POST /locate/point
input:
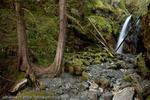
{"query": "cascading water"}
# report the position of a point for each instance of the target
(122, 35)
(135, 35)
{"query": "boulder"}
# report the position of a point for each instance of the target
(125, 94)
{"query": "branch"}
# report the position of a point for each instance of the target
(105, 43)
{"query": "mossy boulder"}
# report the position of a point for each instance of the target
(85, 76)
(127, 79)
(141, 63)
(78, 70)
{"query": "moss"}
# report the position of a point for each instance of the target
(148, 97)
(20, 75)
(118, 64)
(86, 62)
(84, 76)
(103, 6)
(103, 25)
(81, 86)
(113, 67)
(42, 86)
(71, 69)
(35, 95)
(141, 63)
(96, 80)
(77, 61)
(32, 77)
(96, 61)
(78, 70)
(104, 82)
(127, 78)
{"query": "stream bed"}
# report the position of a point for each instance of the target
(106, 81)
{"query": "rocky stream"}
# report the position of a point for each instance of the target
(116, 80)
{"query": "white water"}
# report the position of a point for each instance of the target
(123, 33)
(137, 23)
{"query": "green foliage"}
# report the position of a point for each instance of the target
(103, 24)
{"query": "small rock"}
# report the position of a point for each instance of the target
(101, 90)
(65, 97)
(101, 98)
(84, 97)
(74, 98)
(108, 96)
(137, 99)
(85, 84)
(94, 87)
(92, 96)
(125, 94)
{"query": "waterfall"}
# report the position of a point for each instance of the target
(137, 24)
(122, 35)
(136, 33)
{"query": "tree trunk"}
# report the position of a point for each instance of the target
(57, 64)
(56, 67)
(23, 57)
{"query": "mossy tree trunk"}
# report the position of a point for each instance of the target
(23, 57)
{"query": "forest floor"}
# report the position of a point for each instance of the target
(117, 80)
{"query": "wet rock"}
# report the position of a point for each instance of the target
(137, 99)
(101, 98)
(94, 86)
(74, 98)
(85, 84)
(108, 96)
(142, 86)
(65, 97)
(125, 94)
(84, 97)
(92, 96)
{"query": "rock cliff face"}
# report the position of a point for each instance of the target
(146, 32)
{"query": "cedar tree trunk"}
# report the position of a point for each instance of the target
(56, 67)
(23, 57)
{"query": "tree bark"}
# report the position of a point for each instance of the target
(56, 67)
(23, 57)
(57, 64)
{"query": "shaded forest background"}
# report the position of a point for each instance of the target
(42, 28)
